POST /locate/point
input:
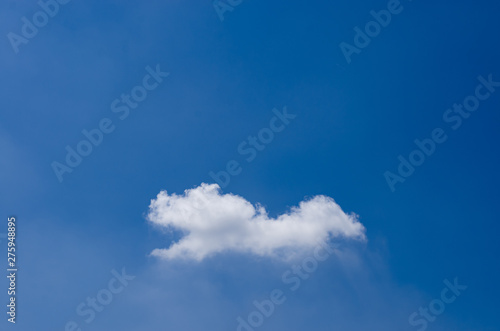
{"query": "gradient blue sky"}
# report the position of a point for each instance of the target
(353, 120)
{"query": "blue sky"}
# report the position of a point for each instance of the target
(225, 78)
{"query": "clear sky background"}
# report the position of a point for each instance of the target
(352, 122)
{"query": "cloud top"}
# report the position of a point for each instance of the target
(214, 223)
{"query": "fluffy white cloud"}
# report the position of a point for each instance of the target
(213, 223)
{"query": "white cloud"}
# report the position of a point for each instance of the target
(213, 223)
